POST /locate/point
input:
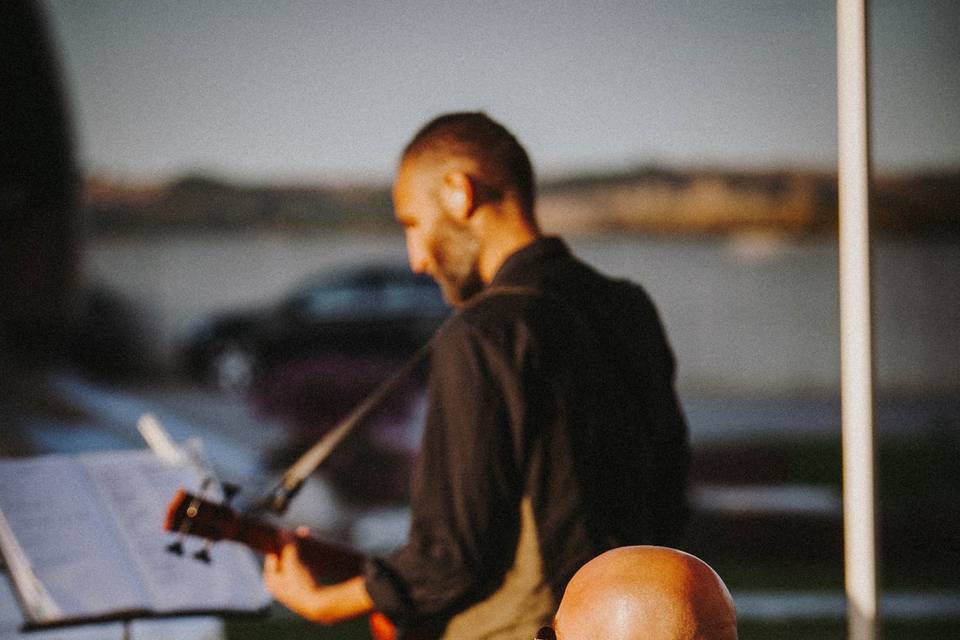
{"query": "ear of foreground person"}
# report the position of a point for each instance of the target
(646, 593)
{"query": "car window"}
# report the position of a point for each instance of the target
(339, 301)
(404, 297)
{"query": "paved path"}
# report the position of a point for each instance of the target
(715, 418)
(831, 605)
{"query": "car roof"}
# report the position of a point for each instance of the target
(373, 275)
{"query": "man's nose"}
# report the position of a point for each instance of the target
(416, 256)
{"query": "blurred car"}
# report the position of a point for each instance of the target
(380, 310)
(310, 396)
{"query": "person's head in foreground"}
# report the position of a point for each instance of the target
(645, 593)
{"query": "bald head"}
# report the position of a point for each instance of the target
(646, 593)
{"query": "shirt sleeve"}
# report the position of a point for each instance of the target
(466, 486)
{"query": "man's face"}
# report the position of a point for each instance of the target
(437, 244)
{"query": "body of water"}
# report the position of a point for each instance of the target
(745, 314)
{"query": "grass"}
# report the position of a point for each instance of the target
(289, 629)
(918, 506)
(836, 630)
(280, 624)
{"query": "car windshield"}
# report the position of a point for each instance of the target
(371, 292)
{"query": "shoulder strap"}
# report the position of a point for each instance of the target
(501, 290)
(278, 499)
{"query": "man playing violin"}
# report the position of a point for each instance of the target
(552, 433)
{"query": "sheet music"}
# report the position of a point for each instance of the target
(72, 549)
(138, 504)
(90, 528)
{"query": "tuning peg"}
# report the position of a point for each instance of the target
(203, 555)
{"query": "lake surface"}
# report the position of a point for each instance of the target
(747, 314)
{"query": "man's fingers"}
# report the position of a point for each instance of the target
(271, 563)
(289, 554)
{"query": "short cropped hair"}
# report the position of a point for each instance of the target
(501, 161)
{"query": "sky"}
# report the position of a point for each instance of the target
(332, 90)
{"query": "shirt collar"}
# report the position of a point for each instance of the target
(528, 260)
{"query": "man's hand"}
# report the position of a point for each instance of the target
(289, 580)
(293, 584)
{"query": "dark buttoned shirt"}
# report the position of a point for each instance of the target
(554, 384)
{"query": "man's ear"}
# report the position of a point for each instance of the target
(456, 194)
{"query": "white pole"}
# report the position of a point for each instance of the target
(856, 344)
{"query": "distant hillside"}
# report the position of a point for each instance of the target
(647, 200)
(657, 200)
(198, 203)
